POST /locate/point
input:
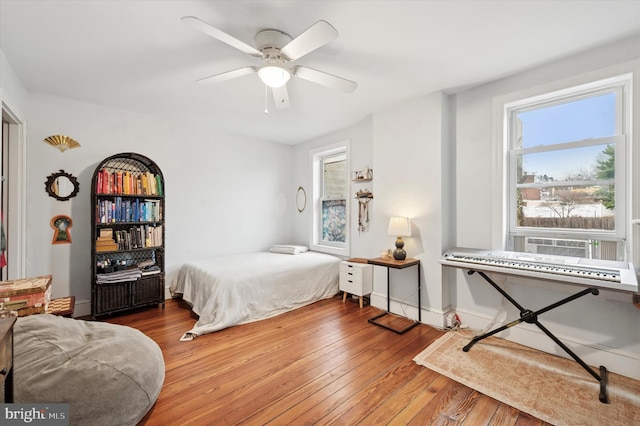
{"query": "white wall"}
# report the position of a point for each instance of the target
(411, 153)
(604, 329)
(408, 148)
(224, 193)
(359, 136)
(13, 97)
(434, 161)
(11, 88)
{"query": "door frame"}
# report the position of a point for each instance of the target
(16, 214)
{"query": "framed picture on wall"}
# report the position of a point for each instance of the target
(61, 225)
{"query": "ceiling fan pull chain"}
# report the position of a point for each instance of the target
(266, 99)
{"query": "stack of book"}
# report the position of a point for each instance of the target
(150, 270)
(119, 276)
(105, 241)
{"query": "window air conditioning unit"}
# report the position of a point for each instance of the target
(557, 246)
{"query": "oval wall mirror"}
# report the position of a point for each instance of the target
(61, 185)
(301, 199)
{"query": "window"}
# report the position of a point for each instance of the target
(330, 232)
(567, 171)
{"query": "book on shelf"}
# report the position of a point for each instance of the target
(105, 240)
(145, 185)
(159, 185)
(151, 270)
(128, 210)
(120, 182)
(138, 237)
(111, 246)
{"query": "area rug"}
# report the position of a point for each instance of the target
(551, 388)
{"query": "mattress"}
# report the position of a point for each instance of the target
(237, 289)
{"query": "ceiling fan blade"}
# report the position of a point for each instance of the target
(324, 79)
(202, 26)
(280, 97)
(229, 75)
(315, 36)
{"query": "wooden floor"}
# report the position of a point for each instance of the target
(321, 364)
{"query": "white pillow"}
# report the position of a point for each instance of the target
(288, 249)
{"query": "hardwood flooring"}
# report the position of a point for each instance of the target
(322, 364)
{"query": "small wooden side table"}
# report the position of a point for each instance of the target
(62, 307)
(389, 262)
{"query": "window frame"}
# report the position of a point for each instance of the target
(621, 85)
(317, 158)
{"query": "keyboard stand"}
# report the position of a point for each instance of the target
(531, 317)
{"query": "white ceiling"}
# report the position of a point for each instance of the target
(138, 55)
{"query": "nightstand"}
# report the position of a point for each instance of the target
(356, 278)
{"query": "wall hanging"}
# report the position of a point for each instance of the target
(363, 197)
(61, 225)
(301, 199)
(61, 185)
(61, 142)
(362, 175)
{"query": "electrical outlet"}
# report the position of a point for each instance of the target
(450, 319)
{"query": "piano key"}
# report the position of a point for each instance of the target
(609, 274)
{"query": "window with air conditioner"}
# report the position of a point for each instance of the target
(567, 173)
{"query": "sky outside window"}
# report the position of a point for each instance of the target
(573, 121)
(588, 118)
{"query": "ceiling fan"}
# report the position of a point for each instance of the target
(277, 49)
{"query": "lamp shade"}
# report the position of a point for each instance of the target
(274, 76)
(399, 226)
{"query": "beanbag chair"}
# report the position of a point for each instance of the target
(108, 374)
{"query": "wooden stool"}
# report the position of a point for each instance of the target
(62, 307)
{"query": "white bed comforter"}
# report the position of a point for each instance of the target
(238, 289)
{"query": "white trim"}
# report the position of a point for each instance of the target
(629, 71)
(17, 215)
(429, 315)
(618, 85)
(316, 191)
(570, 145)
(82, 308)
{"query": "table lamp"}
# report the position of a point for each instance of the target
(400, 227)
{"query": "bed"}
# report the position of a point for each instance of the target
(237, 289)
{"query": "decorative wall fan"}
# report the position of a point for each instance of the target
(277, 49)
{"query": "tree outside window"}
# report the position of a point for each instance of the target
(562, 167)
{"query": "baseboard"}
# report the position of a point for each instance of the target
(434, 318)
(615, 360)
(82, 308)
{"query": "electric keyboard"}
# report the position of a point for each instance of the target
(605, 274)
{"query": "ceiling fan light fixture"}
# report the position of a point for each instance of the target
(274, 76)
